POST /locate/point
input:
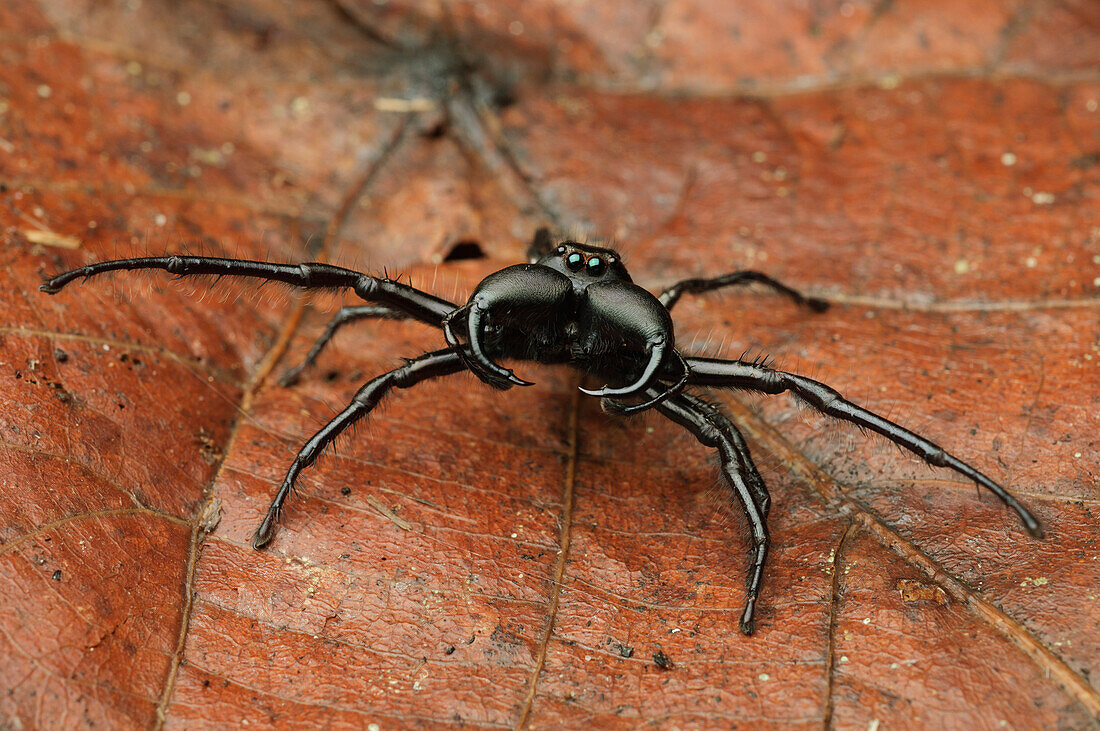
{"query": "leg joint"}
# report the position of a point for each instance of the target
(772, 382)
(936, 457)
(367, 287)
(709, 436)
(403, 377)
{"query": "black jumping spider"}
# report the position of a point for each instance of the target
(574, 304)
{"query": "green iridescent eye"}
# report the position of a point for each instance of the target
(574, 261)
(596, 266)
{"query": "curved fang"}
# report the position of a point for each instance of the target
(474, 322)
(656, 356)
(617, 407)
(464, 356)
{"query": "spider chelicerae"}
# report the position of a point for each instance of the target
(573, 303)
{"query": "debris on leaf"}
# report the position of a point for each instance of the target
(915, 591)
(211, 516)
(623, 650)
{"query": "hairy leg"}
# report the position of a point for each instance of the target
(429, 365)
(541, 244)
(723, 422)
(414, 303)
(738, 468)
(345, 316)
(697, 286)
(753, 377)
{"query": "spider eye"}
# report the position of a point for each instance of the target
(561, 249)
(596, 266)
(574, 261)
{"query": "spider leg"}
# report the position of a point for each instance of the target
(429, 365)
(541, 244)
(696, 286)
(312, 275)
(753, 377)
(345, 316)
(720, 420)
(713, 429)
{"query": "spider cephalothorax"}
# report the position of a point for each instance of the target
(585, 264)
(572, 304)
(575, 304)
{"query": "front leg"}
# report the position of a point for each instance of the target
(311, 275)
